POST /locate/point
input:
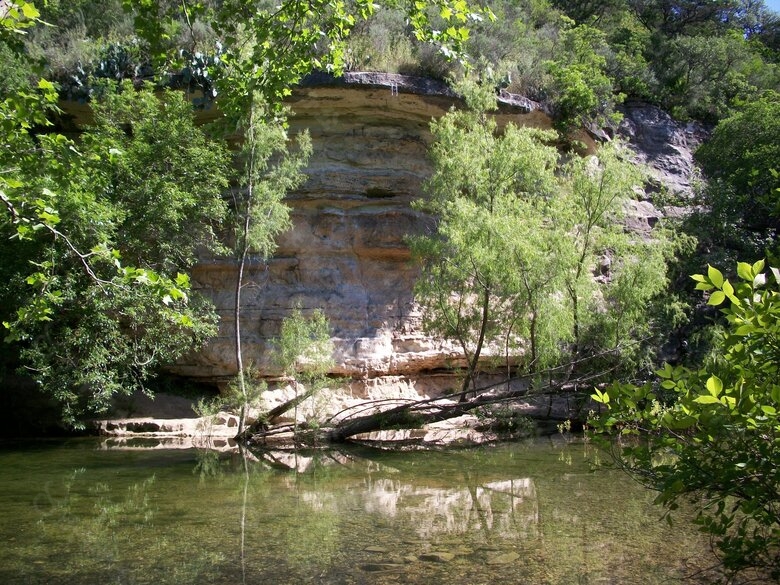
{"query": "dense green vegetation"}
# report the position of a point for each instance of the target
(518, 232)
(696, 58)
(97, 241)
(711, 435)
(741, 161)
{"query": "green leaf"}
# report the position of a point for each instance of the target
(30, 11)
(715, 276)
(769, 410)
(680, 423)
(666, 372)
(745, 271)
(715, 385)
(182, 280)
(49, 218)
(745, 329)
(185, 320)
(716, 298)
(706, 399)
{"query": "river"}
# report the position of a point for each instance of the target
(541, 511)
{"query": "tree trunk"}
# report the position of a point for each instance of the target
(472, 368)
(237, 331)
(244, 247)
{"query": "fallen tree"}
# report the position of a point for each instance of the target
(555, 383)
(399, 414)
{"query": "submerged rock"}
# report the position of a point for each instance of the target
(503, 558)
(382, 567)
(437, 557)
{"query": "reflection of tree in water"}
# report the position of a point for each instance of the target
(111, 536)
(505, 509)
(310, 519)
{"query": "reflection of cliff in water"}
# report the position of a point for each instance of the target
(503, 509)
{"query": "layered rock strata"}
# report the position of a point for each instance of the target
(346, 253)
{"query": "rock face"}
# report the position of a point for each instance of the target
(346, 253)
(663, 144)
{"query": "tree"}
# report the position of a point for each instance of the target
(581, 92)
(703, 76)
(593, 204)
(168, 178)
(741, 161)
(508, 268)
(488, 192)
(304, 353)
(674, 17)
(711, 436)
(266, 48)
(260, 212)
(90, 306)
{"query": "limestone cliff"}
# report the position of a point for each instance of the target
(346, 252)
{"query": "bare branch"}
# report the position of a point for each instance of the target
(10, 206)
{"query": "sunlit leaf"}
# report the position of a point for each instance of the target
(715, 276)
(745, 271)
(746, 329)
(716, 298)
(706, 399)
(714, 385)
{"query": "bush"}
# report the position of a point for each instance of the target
(712, 436)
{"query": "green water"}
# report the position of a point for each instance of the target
(530, 512)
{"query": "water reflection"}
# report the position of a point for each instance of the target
(506, 515)
(504, 509)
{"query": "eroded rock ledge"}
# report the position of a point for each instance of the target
(346, 253)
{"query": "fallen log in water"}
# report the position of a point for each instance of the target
(388, 414)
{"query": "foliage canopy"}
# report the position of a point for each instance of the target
(508, 268)
(95, 291)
